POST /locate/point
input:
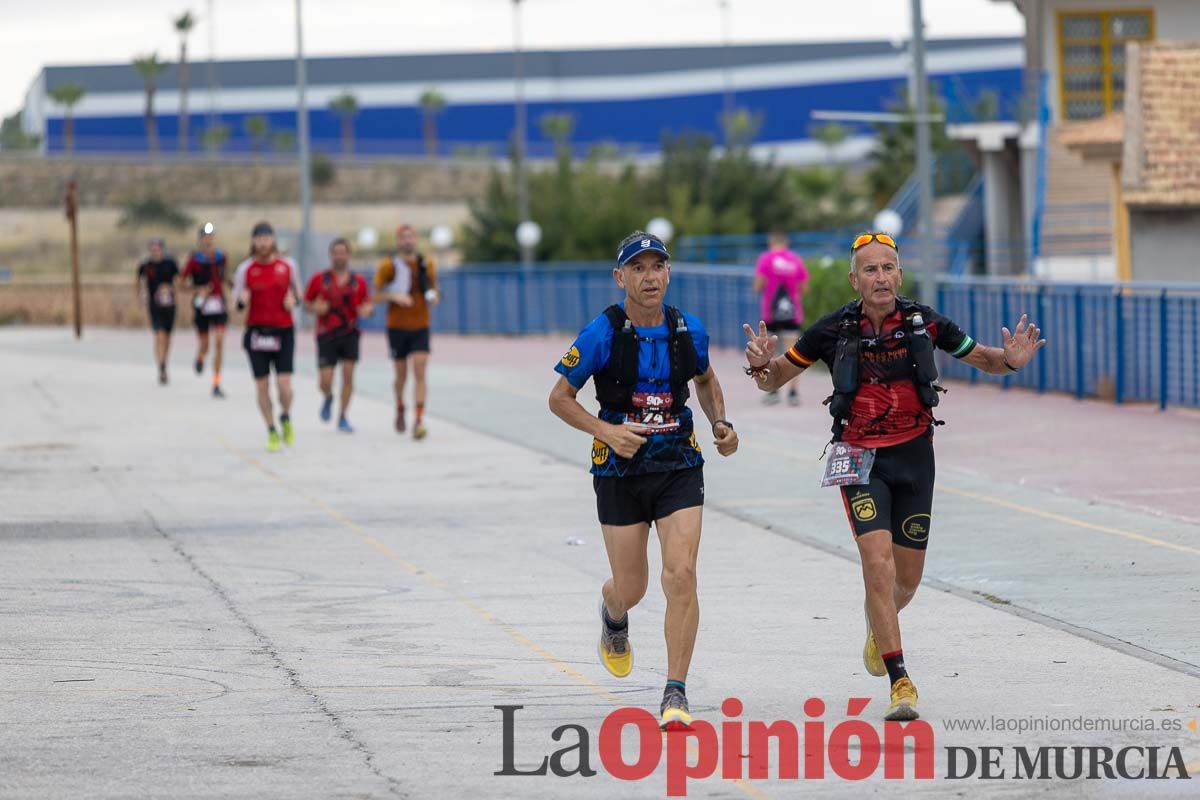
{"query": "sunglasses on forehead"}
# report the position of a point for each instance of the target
(867, 238)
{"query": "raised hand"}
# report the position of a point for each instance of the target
(1019, 346)
(760, 348)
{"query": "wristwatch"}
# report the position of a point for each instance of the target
(721, 422)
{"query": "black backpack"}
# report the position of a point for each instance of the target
(616, 382)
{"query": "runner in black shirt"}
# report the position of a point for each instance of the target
(157, 280)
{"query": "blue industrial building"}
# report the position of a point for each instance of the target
(630, 98)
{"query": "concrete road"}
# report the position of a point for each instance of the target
(185, 615)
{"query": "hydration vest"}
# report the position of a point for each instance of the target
(343, 295)
(847, 361)
(616, 382)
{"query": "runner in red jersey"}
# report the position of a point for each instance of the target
(338, 297)
(206, 269)
(268, 285)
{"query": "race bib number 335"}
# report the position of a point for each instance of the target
(848, 465)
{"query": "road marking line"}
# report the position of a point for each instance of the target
(1050, 515)
(434, 581)
(1079, 523)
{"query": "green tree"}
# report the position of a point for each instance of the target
(893, 157)
(741, 128)
(558, 128)
(215, 138)
(345, 105)
(149, 68)
(68, 96)
(283, 142)
(183, 25)
(258, 128)
(12, 137)
(432, 103)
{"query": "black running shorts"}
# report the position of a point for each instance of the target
(632, 499)
(899, 497)
(401, 343)
(270, 347)
(162, 318)
(335, 348)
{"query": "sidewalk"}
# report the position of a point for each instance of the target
(186, 615)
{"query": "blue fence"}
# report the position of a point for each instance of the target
(1125, 342)
(506, 300)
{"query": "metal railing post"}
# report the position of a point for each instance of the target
(1119, 359)
(1078, 343)
(1163, 361)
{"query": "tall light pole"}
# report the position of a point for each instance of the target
(519, 145)
(302, 141)
(212, 67)
(726, 75)
(924, 149)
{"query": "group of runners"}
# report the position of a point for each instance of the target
(643, 354)
(266, 286)
(645, 357)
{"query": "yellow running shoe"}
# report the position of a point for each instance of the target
(871, 658)
(616, 654)
(272, 441)
(904, 701)
(289, 435)
(675, 714)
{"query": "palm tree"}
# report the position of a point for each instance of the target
(183, 26)
(149, 67)
(215, 137)
(558, 129)
(432, 104)
(258, 128)
(68, 95)
(283, 142)
(345, 105)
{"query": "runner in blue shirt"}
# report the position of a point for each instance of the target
(641, 355)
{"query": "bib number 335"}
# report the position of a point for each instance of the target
(848, 465)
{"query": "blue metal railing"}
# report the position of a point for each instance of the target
(514, 302)
(1128, 342)
(1124, 342)
(966, 231)
(1039, 198)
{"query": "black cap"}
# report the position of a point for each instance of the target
(262, 228)
(206, 229)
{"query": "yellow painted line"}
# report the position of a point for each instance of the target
(428, 577)
(1037, 512)
(1079, 523)
(164, 690)
(509, 630)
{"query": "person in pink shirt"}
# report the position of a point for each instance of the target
(781, 278)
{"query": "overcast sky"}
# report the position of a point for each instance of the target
(34, 33)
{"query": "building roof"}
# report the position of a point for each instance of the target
(445, 67)
(1161, 158)
(1101, 138)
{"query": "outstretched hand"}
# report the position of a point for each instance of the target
(760, 349)
(1019, 346)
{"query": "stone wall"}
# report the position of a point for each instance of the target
(28, 182)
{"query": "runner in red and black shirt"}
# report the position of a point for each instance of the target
(268, 285)
(338, 297)
(206, 269)
(879, 349)
(157, 281)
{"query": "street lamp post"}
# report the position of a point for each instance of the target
(522, 179)
(726, 76)
(212, 67)
(302, 141)
(924, 149)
